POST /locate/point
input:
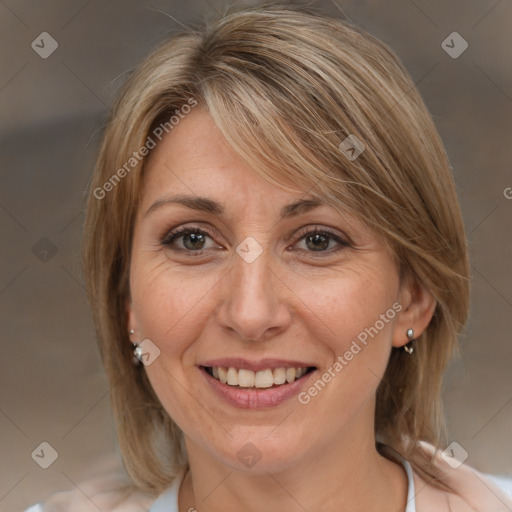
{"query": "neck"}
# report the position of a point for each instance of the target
(351, 476)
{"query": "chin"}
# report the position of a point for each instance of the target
(259, 450)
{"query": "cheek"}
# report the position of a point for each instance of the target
(170, 309)
(353, 317)
(172, 312)
(350, 305)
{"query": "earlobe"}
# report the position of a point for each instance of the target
(418, 306)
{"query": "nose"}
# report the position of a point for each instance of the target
(254, 302)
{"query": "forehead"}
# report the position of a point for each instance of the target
(195, 158)
(195, 162)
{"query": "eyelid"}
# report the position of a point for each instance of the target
(321, 229)
(179, 231)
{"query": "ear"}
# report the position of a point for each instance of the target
(418, 306)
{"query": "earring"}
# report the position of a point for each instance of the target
(409, 348)
(137, 351)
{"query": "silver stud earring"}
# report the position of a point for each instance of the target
(410, 335)
(137, 350)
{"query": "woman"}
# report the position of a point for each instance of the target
(278, 269)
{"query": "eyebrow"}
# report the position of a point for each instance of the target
(204, 204)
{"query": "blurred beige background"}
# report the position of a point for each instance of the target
(52, 386)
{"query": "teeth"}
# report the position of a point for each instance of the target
(279, 376)
(223, 374)
(264, 379)
(232, 377)
(245, 378)
(261, 379)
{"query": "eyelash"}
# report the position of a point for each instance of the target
(175, 234)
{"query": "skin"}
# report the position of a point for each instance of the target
(292, 302)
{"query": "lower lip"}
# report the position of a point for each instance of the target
(256, 398)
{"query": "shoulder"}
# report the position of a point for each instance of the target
(108, 491)
(106, 501)
(471, 491)
(88, 500)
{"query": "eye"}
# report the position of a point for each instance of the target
(321, 241)
(192, 240)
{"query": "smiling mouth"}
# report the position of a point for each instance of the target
(249, 379)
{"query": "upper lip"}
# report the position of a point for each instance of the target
(262, 364)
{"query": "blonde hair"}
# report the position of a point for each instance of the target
(286, 86)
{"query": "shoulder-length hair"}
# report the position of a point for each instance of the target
(286, 86)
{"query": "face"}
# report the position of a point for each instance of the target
(297, 307)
